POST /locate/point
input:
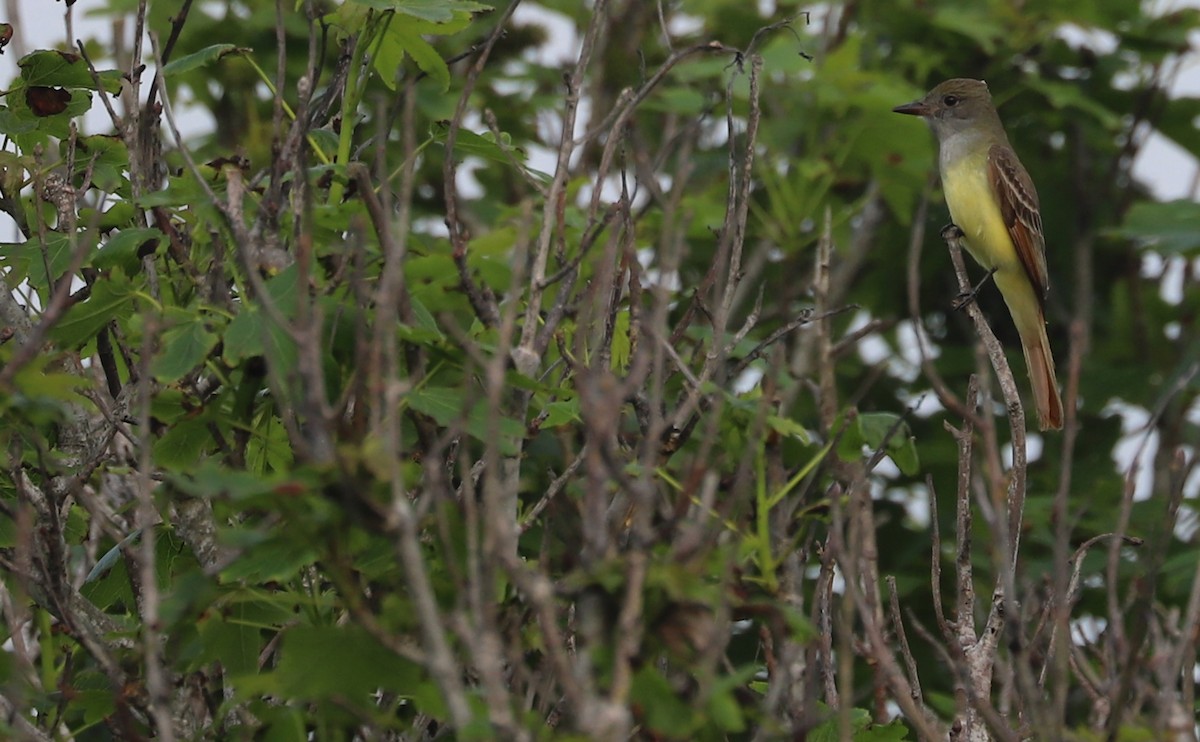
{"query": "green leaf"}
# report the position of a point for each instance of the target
(13, 168)
(112, 297)
(109, 587)
(184, 347)
(183, 444)
(829, 730)
(661, 708)
(52, 68)
(1065, 95)
(975, 23)
(210, 480)
(434, 11)
(92, 696)
(324, 139)
(467, 142)
(49, 385)
(1172, 227)
(283, 724)
(57, 125)
(79, 520)
(270, 448)
(106, 158)
(861, 726)
(561, 413)
(388, 53)
(206, 56)
(253, 333)
(622, 345)
(426, 57)
(123, 249)
(274, 560)
(1178, 122)
(1152, 38)
(893, 731)
(284, 288)
(788, 427)
(181, 190)
(683, 101)
(445, 406)
(724, 711)
(503, 432)
(40, 262)
(341, 662)
(879, 429)
(118, 216)
(233, 643)
(800, 626)
(425, 321)
(13, 124)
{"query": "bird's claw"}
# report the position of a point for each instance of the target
(951, 232)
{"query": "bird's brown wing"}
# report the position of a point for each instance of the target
(1019, 207)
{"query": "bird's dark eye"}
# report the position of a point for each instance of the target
(950, 100)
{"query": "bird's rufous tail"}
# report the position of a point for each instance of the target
(1027, 315)
(1041, 374)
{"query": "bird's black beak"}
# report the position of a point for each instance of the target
(916, 108)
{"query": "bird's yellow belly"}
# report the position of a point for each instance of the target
(973, 207)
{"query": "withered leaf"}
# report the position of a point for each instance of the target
(44, 101)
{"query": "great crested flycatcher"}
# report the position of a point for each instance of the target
(994, 203)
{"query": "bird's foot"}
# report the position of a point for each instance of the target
(963, 300)
(951, 232)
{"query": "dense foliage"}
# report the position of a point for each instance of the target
(587, 370)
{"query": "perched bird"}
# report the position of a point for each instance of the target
(993, 201)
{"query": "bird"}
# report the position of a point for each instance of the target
(993, 201)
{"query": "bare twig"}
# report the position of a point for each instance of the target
(910, 663)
